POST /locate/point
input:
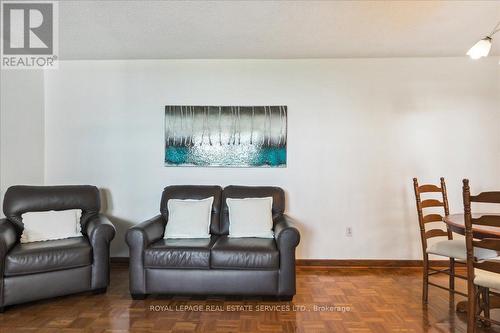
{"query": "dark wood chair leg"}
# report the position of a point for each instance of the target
(2, 309)
(486, 306)
(425, 286)
(452, 274)
(471, 312)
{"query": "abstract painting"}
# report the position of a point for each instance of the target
(225, 136)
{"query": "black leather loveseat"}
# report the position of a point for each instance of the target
(37, 270)
(219, 265)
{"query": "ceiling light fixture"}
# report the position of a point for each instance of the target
(483, 47)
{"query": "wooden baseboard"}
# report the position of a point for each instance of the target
(367, 263)
(342, 262)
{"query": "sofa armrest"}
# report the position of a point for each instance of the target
(138, 238)
(99, 231)
(99, 228)
(146, 233)
(287, 238)
(8, 238)
(286, 234)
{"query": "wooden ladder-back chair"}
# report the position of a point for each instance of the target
(483, 274)
(453, 249)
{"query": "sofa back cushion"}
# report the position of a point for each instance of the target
(241, 192)
(197, 192)
(22, 199)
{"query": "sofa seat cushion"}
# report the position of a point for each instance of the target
(244, 253)
(46, 256)
(179, 253)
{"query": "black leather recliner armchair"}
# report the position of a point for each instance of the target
(38, 270)
(219, 265)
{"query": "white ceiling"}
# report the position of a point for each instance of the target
(272, 29)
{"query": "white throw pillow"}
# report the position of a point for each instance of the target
(189, 218)
(250, 217)
(43, 226)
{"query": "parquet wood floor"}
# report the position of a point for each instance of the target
(374, 300)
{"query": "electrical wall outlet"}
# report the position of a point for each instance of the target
(348, 231)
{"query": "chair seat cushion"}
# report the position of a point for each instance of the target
(244, 253)
(455, 248)
(487, 279)
(46, 256)
(179, 253)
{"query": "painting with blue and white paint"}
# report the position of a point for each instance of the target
(225, 136)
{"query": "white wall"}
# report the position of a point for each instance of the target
(21, 128)
(359, 130)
